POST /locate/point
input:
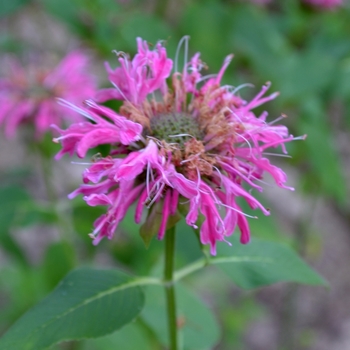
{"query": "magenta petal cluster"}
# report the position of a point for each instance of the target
(178, 139)
(29, 94)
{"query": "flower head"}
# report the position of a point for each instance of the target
(178, 139)
(28, 94)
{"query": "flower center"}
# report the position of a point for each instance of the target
(175, 128)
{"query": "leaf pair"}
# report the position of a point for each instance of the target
(91, 303)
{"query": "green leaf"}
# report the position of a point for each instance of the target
(326, 176)
(261, 263)
(88, 303)
(54, 272)
(17, 208)
(137, 338)
(13, 248)
(14, 199)
(208, 26)
(9, 6)
(65, 10)
(148, 27)
(21, 288)
(198, 328)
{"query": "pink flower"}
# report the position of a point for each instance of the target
(326, 4)
(194, 142)
(28, 94)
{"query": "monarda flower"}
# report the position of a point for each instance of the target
(178, 140)
(29, 94)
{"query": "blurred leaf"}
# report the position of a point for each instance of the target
(14, 176)
(146, 26)
(21, 287)
(208, 25)
(9, 44)
(130, 337)
(198, 328)
(298, 75)
(261, 263)
(88, 303)
(342, 87)
(17, 208)
(13, 199)
(58, 261)
(65, 10)
(84, 217)
(13, 248)
(46, 148)
(321, 153)
(188, 246)
(9, 6)
(256, 34)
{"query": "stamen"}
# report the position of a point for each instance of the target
(159, 143)
(81, 111)
(198, 179)
(135, 145)
(277, 155)
(147, 177)
(190, 158)
(185, 39)
(261, 181)
(206, 77)
(234, 113)
(303, 137)
(219, 172)
(227, 61)
(186, 53)
(238, 211)
(249, 145)
(181, 135)
(124, 56)
(283, 116)
(80, 163)
(120, 91)
(239, 87)
(160, 190)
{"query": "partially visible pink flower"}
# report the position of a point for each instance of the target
(29, 94)
(194, 142)
(326, 4)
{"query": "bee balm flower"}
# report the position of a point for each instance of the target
(178, 137)
(28, 95)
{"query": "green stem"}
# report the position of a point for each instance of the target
(169, 286)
